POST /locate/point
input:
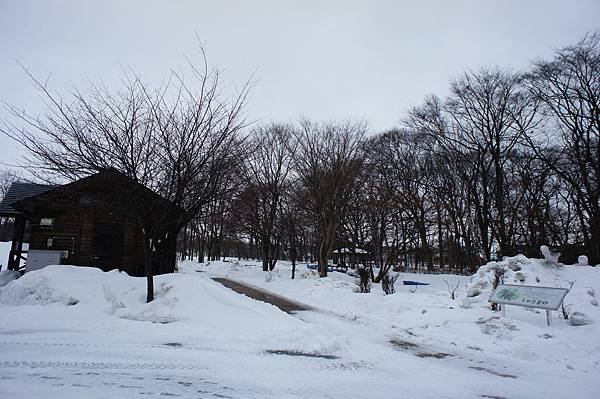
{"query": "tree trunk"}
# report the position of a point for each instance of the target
(148, 269)
(323, 252)
(265, 257)
(293, 268)
(293, 254)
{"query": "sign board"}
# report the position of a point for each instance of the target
(548, 298)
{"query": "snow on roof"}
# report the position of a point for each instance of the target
(350, 251)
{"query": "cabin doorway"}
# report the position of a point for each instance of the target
(108, 245)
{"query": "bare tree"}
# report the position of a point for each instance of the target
(266, 184)
(395, 199)
(7, 178)
(569, 88)
(327, 160)
(179, 140)
(452, 289)
(294, 227)
(482, 121)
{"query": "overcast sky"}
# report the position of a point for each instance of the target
(321, 59)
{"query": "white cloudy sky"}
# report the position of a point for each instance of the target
(321, 59)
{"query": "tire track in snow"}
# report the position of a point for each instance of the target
(101, 365)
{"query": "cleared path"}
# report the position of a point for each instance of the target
(282, 303)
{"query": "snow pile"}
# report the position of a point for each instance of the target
(197, 329)
(6, 276)
(190, 307)
(582, 280)
(550, 257)
(35, 289)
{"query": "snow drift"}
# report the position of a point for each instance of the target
(186, 307)
(580, 304)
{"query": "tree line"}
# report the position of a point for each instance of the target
(506, 162)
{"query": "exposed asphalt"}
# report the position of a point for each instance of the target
(282, 303)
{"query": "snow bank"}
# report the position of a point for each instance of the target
(6, 276)
(245, 343)
(190, 307)
(40, 288)
(582, 280)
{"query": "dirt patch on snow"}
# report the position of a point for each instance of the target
(403, 344)
(435, 355)
(504, 375)
(298, 353)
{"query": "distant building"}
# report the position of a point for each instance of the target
(350, 257)
(90, 222)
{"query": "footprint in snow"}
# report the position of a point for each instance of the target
(81, 385)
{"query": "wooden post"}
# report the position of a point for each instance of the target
(548, 318)
(16, 248)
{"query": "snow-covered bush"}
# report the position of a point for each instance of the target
(388, 281)
(498, 274)
(364, 279)
(452, 288)
(311, 274)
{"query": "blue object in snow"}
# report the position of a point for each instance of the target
(410, 282)
(314, 266)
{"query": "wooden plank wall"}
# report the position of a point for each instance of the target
(74, 232)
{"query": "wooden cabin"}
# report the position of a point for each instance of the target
(94, 221)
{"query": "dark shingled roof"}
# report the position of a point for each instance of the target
(19, 191)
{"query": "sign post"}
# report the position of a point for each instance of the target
(548, 298)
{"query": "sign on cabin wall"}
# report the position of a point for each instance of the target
(548, 298)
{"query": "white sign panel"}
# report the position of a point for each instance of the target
(40, 258)
(548, 298)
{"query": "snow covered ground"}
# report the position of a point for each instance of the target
(80, 333)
